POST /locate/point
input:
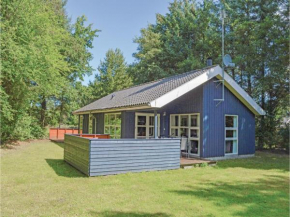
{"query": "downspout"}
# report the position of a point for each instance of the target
(155, 125)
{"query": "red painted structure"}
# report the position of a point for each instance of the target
(58, 134)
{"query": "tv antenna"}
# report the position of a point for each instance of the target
(226, 59)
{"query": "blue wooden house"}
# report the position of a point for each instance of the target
(182, 106)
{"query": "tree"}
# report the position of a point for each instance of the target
(257, 37)
(180, 41)
(113, 75)
(42, 54)
(260, 41)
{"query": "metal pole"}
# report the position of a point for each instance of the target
(155, 125)
(223, 51)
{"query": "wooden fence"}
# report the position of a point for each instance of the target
(96, 157)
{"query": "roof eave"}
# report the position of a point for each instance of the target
(244, 97)
(116, 109)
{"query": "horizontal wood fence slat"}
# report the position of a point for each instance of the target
(95, 157)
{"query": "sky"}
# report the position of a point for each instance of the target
(120, 21)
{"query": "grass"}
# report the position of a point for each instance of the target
(35, 181)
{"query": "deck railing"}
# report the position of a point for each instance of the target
(96, 157)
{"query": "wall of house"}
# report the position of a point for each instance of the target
(86, 123)
(128, 125)
(100, 123)
(214, 122)
(212, 119)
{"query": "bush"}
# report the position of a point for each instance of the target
(26, 127)
(204, 165)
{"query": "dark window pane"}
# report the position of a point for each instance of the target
(184, 120)
(141, 131)
(141, 120)
(151, 120)
(231, 134)
(229, 121)
(193, 120)
(194, 147)
(176, 121)
(174, 132)
(229, 147)
(184, 132)
(193, 133)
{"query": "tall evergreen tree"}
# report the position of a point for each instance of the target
(113, 74)
(180, 41)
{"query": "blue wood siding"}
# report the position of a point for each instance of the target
(114, 156)
(188, 103)
(100, 123)
(214, 122)
(212, 119)
(86, 123)
(128, 124)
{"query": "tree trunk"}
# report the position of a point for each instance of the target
(60, 112)
(43, 111)
(261, 139)
(249, 89)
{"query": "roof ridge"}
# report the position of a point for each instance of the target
(160, 79)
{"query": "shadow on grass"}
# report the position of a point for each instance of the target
(127, 214)
(265, 197)
(60, 144)
(61, 168)
(261, 161)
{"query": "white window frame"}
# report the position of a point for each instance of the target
(113, 136)
(189, 127)
(81, 120)
(232, 138)
(147, 125)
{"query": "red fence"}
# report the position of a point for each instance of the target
(58, 134)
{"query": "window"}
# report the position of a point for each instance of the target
(113, 125)
(145, 125)
(186, 125)
(231, 134)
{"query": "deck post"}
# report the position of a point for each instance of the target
(155, 125)
(79, 125)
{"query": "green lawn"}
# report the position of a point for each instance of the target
(35, 181)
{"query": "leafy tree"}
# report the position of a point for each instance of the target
(42, 55)
(113, 75)
(180, 41)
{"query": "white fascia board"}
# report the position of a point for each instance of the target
(242, 95)
(245, 98)
(185, 88)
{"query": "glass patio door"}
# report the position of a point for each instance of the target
(188, 126)
(144, 125)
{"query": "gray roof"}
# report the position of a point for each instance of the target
(142, 94)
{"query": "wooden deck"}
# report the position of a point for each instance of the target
(190, 162)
